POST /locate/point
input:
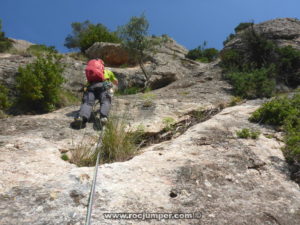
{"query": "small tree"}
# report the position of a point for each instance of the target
(39, 84)
(5, 43)
(85, 34)
(135, 39)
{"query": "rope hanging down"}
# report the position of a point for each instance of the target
(92, 192)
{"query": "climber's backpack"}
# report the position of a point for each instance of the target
(94, 70)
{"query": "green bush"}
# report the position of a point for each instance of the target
(5, 43)
(247, 133)
(203, 54)
(38, 84)
(243, 26)
(4, 100)
(250, 85)
(288, 64)
(231, 60)
(64, 157)
(238, 28)
(85, 34)
(254, 68)
(284, 112)
(274, 112)
(41, 50)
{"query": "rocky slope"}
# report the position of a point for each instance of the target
(207, 170)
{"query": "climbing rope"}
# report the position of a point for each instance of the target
(92, 192)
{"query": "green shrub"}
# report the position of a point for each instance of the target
(4, 100)
(38, 84)
(257, 83)
(203, 54)
(5, 43)
(41, 50)
(64, 157)
(244, 133)
(243, 26)
(231, 60)
(238, 28)
(274, 112)
(288, 65)
(251, 60)
(85, 34)
(247, 133)
(284, 112)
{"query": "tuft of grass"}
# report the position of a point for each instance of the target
(235, 100)
(118, 144)
(84, 153)
(169, 123)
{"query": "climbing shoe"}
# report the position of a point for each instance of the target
(79, 123)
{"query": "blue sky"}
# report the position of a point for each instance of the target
(189, 22)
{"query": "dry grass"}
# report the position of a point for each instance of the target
(118, 144)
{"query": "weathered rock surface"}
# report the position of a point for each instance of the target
(198, 92)
(284, 31)
(168, 65)
(21, 45)
(207, 170)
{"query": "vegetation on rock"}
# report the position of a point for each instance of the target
(39, 84)
(203, 54)
(38, 50)
(85, 34)
(5, 43)
(256, 67)
(135, 39)
(4, 100)
(283, 112)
